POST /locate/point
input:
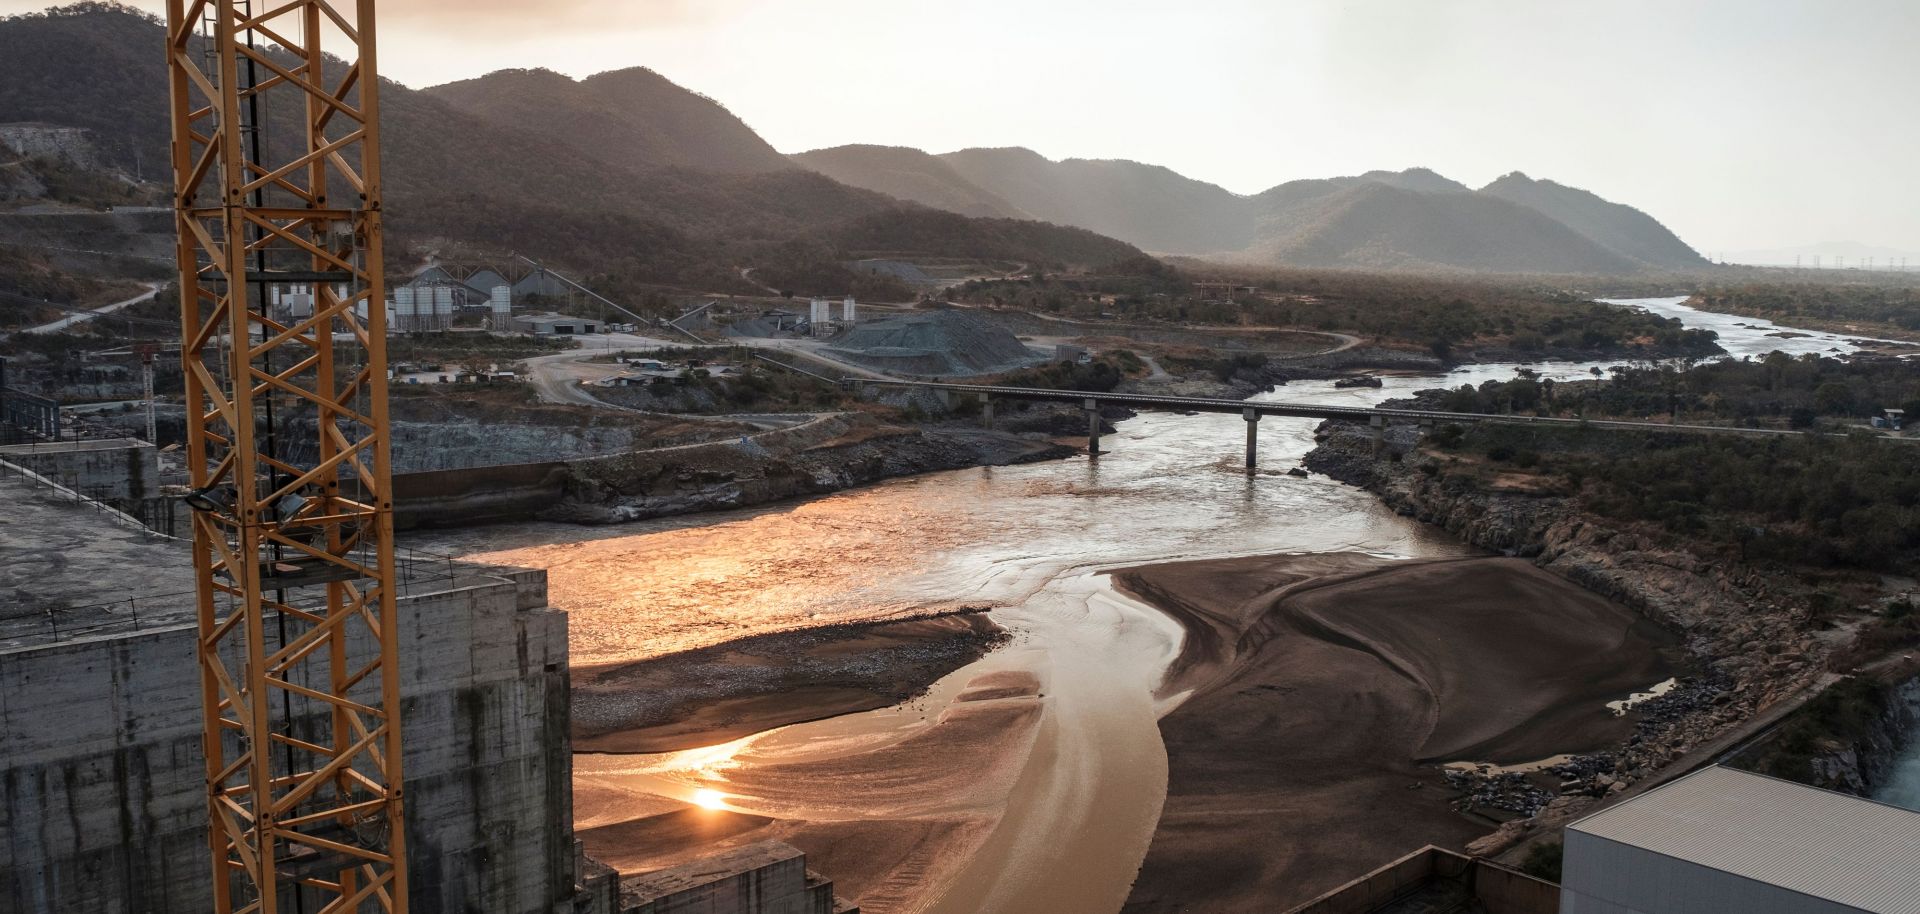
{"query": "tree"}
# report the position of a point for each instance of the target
(1834, 397)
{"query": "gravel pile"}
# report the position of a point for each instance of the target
(936, 343)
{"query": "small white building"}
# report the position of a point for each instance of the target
(1724, 841)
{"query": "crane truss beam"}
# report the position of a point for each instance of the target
(277, 174)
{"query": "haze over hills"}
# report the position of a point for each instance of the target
(624, 172)
(1830, 253)
(628, 165)
(909, 174)
(1413, 219)
(1146, 205)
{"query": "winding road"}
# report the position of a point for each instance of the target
(84, 316)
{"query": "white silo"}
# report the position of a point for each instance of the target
(442, 307)
(405, 310)
(501, 304)
(846, 311)
(821, 312)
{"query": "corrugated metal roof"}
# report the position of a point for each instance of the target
(1816, 842)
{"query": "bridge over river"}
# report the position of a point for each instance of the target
(1252, 410)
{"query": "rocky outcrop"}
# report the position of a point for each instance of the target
(1746, 631)
(825, 456)
(1860, 758)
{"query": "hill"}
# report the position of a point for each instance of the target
(1406, 220)
(633, 118)
(623, 174)
(908, 174)
(1372, 225)
(1621, 229)
(1146, 205)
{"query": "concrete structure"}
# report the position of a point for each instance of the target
(555, 324)
(1067, 352)
(101, 774)
(1724, 841)
(1436, 880)
(30, 139)
(112, 469)
(765, 878)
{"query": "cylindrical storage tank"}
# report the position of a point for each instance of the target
(405, 312)
(502, 300)
(820, 314)
(442, 307)
(846, 310)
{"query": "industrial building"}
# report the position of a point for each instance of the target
(556, 324)
(1724, 841)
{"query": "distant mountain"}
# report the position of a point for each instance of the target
(1621, 229)
(1412, 219)
(908, 174)
(623, 172)
(1371, 225)
(1424, 180)
(627, 166)
(634, 118)
(1147, 205)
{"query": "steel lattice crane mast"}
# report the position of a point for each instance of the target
(277, 181)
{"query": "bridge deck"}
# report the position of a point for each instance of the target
(1258, 408)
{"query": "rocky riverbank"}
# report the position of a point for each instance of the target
(1748, 633)
(1850, 739)
(826, 455)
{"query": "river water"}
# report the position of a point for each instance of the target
(1903, 789)
(1069, 829)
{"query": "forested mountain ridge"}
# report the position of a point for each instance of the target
(633, 118)
(623, 173)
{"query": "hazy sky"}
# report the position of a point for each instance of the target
(1740, 123)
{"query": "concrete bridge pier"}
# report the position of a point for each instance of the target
(986, 411)
(1253, 435)
(1093, 428)
(1379, 424)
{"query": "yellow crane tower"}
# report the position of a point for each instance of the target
(277, 198)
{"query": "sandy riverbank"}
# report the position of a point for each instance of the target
(1324, 688)
(1312, 698)
(894, 821)
(721, 693)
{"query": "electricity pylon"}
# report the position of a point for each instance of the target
(277, 181)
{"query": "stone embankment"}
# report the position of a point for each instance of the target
(1747, 633)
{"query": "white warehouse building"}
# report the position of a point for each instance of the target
(1723, 841)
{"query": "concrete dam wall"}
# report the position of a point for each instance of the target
(103, 781)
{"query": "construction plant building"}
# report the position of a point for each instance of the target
(821, 318)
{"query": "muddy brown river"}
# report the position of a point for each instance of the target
(1066, 797)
